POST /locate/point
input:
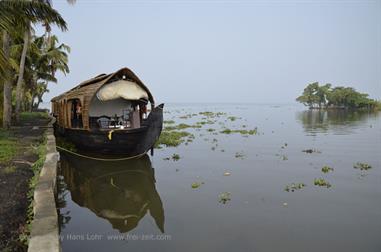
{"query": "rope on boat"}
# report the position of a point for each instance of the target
(100, 159)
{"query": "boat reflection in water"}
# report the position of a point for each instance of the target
(121, 192)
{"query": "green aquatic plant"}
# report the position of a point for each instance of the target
(186, 116)
(224, 197)
(240, 155)
(322, 183)
(362, 166)
(169, 122)
(211, 114)
(226, 131)
(242, 131)
(181, 126)
(172, 138)
(210, 130)
(326, 169)
(175, 157)
(204, 123)
(311, 151)
(233, 118)
(196, 184)
(294, 186)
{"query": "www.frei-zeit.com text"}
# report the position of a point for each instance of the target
(116, 237)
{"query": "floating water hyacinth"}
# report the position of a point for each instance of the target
(309, 151)
(362, 166)
(240, 155)
(196, 185)
(321, 182)
(224, 197)
(294, 186)
(326, 169)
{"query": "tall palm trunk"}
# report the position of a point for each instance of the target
(21, 73)
(7, 106)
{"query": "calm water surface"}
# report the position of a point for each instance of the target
(150, 205)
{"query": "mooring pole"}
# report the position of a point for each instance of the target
(152, 152)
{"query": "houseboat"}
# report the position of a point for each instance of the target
(109, 114)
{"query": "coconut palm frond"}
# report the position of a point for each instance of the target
(22, 11)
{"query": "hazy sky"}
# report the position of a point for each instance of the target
(225, 51)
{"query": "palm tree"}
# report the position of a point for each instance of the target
(51, 16)
(7, 89)
(20, 13)
(46, 57)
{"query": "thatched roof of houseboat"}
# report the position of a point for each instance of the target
(87, 89)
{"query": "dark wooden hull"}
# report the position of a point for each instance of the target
(130, 142)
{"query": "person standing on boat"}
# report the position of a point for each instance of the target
(78, 111)
(143, 112)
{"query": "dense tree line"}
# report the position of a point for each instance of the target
(326, 96)
(27, 61)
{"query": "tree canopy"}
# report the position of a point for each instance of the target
(326, 96)
(28, 62)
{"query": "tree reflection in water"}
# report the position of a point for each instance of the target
(339, 121)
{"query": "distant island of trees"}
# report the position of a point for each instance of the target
(321, 97)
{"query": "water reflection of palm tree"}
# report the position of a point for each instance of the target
(120, 192)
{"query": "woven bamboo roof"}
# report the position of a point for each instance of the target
(90, 87)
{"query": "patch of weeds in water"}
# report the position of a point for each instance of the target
(211, 114)
(242, 132)
(294, 186)
(240, 155)
(210, 130)
(233, 118)
(175, 157)
(185, 116)
(362, 166)
(196, 185)
(181, 126)
(322, 183)
(326, 169)
(172, 138)
(169, 122)
(309, 151)
(224, 197)
(284, 157)
(205, 122)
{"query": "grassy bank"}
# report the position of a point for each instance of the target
(22, 154)
(40, 151)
